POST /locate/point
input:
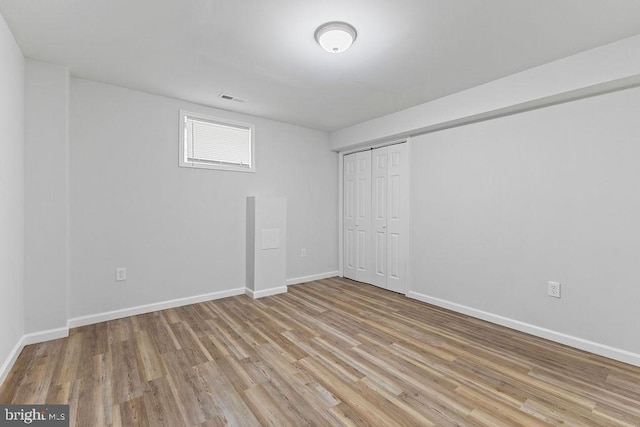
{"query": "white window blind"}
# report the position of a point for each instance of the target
(215, 143)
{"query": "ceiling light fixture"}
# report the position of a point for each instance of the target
(335, 37)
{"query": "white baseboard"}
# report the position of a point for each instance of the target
(313, 277)
(51, 334)
(11, 359)
(148, 308)
(266, 292)
(25, 340)
(48, 335)
(559, 337)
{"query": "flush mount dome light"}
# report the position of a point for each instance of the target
(335, 37)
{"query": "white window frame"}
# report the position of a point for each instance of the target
(217, 120)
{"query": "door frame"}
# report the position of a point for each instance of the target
(341, 155)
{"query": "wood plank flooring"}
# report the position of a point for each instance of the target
(332, 352)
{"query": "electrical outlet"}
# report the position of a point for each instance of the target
(553, 289)
(121, 274)
(303, 252)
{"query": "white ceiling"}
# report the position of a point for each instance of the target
(407, 52)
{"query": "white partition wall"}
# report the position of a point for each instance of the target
(266, 246)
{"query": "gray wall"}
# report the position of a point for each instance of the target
(499, 208)
(180, 232)
(46, 210)
(11, 193)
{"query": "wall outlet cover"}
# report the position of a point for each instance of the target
(121, 274)
(553, 289)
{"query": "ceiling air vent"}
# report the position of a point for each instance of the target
(231, 98)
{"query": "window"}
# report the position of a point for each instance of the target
(215, 143)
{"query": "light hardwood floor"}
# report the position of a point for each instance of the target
(332, 352)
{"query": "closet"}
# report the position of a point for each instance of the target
(375, 216)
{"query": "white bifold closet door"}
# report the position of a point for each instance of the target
(387, 232)
(357, 216)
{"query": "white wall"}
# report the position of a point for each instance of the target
(266, 266)
(46, 224)
(611, 66)
(181, 232)
(500, 207)
(11, 195)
